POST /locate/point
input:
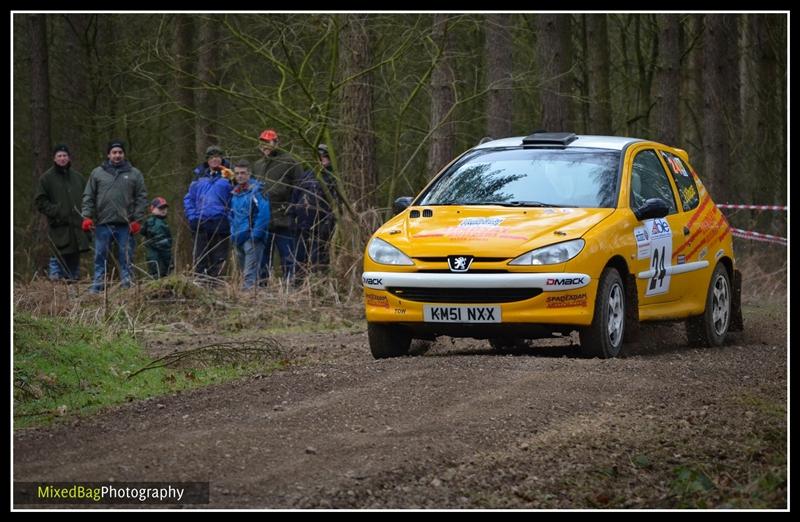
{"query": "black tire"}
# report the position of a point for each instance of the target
(604, 337)
(711, 328)
(387, 341)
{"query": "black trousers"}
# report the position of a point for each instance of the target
(211, 250)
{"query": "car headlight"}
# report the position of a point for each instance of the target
(382, 252)
(551, 255)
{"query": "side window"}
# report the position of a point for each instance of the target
(687, 190)
(648, 180)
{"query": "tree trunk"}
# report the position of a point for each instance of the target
(692, 95)
(184, 130)
(442, 128)
(498, 52)
(40, 96)
(206, 100)
(184, 96)
(554, 55)
(720, 102)
(667, 122)
(598, 65)
(771, 115)
(40, 125)
(357, 146)
(74, 87)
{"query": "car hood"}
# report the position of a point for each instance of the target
(487, 231)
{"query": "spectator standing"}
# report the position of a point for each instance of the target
(158, 238)
(207, 205)
(279, 173)
(314, 219)
(250, 215)
(114, 204)
(58, 196)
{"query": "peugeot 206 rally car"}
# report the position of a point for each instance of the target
(530, 237)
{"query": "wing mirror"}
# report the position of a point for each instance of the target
(401, 203)
(651, 209)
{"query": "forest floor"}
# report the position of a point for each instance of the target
(456, 426)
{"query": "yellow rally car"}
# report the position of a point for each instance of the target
(523, 238)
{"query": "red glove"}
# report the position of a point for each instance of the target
(87, 224)
(134, 227)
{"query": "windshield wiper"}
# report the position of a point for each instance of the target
(517, 203)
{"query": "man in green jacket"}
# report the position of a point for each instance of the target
(58, 196)
(279, 173)
(114, 205)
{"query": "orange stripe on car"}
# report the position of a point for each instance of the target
(708, 235)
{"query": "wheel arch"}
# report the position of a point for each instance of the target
(735, 278)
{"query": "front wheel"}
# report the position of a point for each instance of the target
(711, 328)
(387, 341)
(603, 338)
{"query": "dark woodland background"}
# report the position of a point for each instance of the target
(395, 96)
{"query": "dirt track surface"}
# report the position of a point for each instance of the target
(456, 427)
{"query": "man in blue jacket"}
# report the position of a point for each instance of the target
(207, 205)
(250, 215)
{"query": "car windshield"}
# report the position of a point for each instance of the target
(529, 178)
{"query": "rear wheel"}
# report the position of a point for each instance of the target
(711, 328)
(603, 338)
(387, 341)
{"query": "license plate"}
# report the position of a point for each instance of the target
(461, 314)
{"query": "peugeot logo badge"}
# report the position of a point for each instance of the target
(459, 263)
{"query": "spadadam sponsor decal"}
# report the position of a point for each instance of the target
(566, 301)
(377, 300)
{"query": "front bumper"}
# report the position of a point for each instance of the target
(547, 282)
(557, 297)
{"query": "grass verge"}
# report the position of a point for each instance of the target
(63, 369)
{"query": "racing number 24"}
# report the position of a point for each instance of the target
(657, 264)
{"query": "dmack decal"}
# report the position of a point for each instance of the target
(372, 281)
(566, 283)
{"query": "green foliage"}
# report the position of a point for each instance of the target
(62, 369)
(688, 481)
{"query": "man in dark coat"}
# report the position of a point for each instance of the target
(314, 218)
(279, 173)
(58, 196)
